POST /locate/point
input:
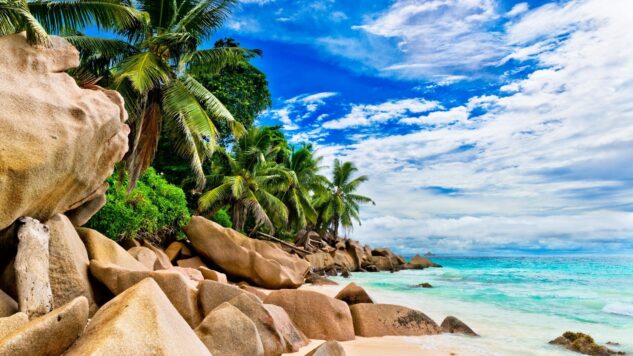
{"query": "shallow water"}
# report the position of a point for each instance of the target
(517, 304)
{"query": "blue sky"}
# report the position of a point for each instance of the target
(485, 127)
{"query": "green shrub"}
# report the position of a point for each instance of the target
(222, 217)
(153, 207)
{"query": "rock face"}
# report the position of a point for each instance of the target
(455, 326)
(68, 264)
(64, 140)
(139, 321)
(262, 263)
(584, 344)
(317, 315)
(144, 255)
(213, 275)
(10, 323)
(227, 331)
(274, 343)
(353, 294)
(328, 348)
(173, 284)
(293, 337)
(50, 334)
(104, 250)
(371, 320)
(31, 268)
(211, 294)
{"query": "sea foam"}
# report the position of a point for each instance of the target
(618, 308)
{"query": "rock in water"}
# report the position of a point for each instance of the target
(140, 321)
(453, 325)
(317, 315)
(329, 348)
(50, 334)
(261, 263)
(584, 344)
(31, 268)
(353, 294)
(60, 141)
(227, 331)
(372, 320)
(68, 264)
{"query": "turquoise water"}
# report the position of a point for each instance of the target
(543, 296)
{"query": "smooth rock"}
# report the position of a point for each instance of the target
(8, 306)
(192, 274)
(10, 323)
(64, 140)
(455, 326)
(162, 261)
(194, 262)
(273, 341)
(316, 315)
(173, 250)
(372, 320)
(102, 249)
(293, 337)
(68, 264)
(256, 291)
(213, 275)
(141, 321)
(144, 255)
(260, 262)
(82, 214)
(419, 262)
(50, 334)
(211, 294)
(353, 294)
(174, 285)
(328, 348)
(227, 331)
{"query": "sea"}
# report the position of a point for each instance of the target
(516, 304)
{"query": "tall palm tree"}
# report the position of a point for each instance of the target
(249, 182)
(38, 18)
(339, 205)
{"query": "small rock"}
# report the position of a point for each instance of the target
(328, 348)
(584, 344)
(455, 326)
(353, 294)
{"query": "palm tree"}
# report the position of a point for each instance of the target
(38, 18)
(249, 182)
(339, 205)
(154, 70)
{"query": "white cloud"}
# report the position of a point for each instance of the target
(366, 115)
(548, 165)
(299, 108)
(518, 9)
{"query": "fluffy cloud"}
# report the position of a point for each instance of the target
(297, 109)
(366, 115)
(545, 165)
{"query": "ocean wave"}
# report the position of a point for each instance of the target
(618, 308)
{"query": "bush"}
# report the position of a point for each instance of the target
(153, 207)
(222, 217)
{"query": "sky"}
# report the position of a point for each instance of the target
(486, 127)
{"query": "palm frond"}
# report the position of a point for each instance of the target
(145, 71)
(205, 18)
(213, 60)
(213, 197)
(15, 16)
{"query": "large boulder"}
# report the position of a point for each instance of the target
(104, 250)
(317, 315)
(353, 294)
(294, 338)
(455, 326)
(211, 294)
(320, 260)
(10, 323)
(371, 320)
(60, 142)
(227, 331)
(385, 260)
(175, 286)
(140, 321)
(273, 341)
(262, 263)
(50, 334)
(68, 264)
